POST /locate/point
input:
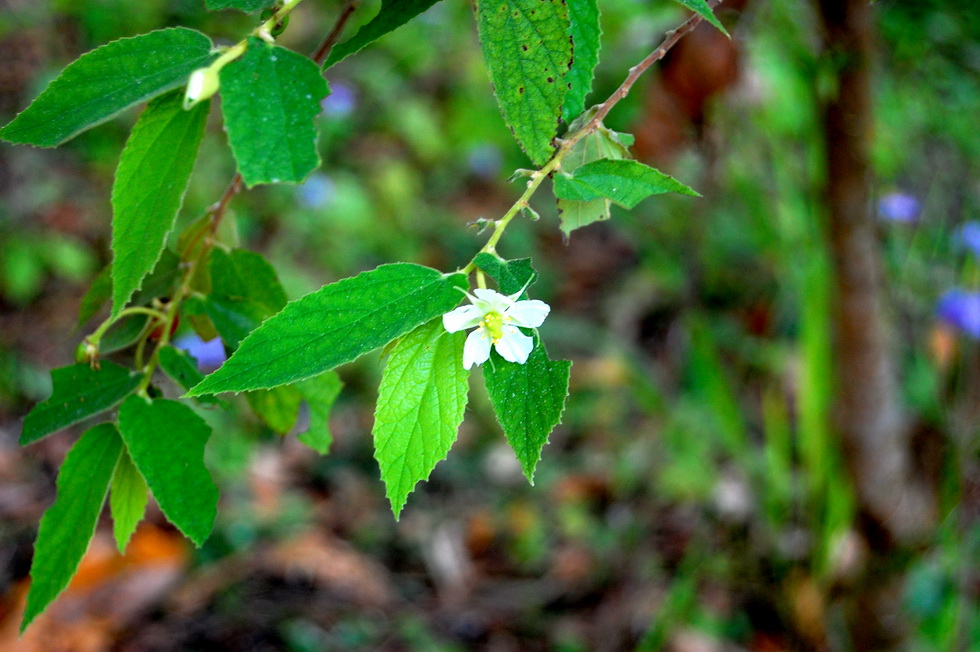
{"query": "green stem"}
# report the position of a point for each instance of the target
(264, 31)
(97, 334)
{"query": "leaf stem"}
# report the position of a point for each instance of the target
(601, 111)
(96, 336)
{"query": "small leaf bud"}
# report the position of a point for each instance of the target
(87, 352)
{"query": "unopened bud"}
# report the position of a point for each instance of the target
(203, 83)
(87, 352)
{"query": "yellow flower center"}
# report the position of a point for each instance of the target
(493, 322)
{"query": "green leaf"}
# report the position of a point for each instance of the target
(248, 6)
(626, 183)
(528, 400)
(511, 275)
(127, 500)
(161, 282)
(393, 14)
(420, 406)
(123, 334)
(99, 291)
(586, 33)
(703, 9)
(245, 291)
(336, 324)
(182, 368)
(108, 80)
(166, 441)
(601, 143)
(78, 393)
(269, 98)
(528, 51)
(69, 524)
(151, 180)
(277, 407)
(320, 394)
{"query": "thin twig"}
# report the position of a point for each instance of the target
(670, 40)
(331, 39)
(218, 210)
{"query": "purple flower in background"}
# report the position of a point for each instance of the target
(961, 310)
(209, 355)
(485, 161)
(318, 190)
(340, 102)
(899, 207)
(968, 236)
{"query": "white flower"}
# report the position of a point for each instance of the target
(496, 318)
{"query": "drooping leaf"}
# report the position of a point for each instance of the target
(98, 293)
(702, 8)
(69, 524)
(248, 6)
(182, 368)
(127, 500)
(78, 392)
(586, 33)
(108, 80)
(528, 49)
(269, 98)
(166, 442)
(277, 407)
(149, 188)
(528, 400)
(393, 14)
(626, 183)
(245, 291)
(334, 325)
(511, 275)
(319, 393)
(601, 143)
(420, 406)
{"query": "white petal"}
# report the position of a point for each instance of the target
(461, 318)
(492, 301)
(529, 314)
(514, 345)
(477, 348)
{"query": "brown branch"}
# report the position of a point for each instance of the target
(218, 210)
(670, 40)
(331, 39)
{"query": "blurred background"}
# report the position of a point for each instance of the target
(696, 497)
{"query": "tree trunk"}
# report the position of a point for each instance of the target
(896, 506)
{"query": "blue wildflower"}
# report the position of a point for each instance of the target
(900, 207)
(209, 355)
(968, 237)
(961, 310)
(317, 191)
(341, 101)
